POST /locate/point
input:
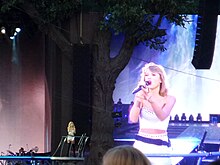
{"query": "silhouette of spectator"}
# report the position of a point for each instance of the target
(125, 155)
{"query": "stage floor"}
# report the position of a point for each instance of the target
(182, 145)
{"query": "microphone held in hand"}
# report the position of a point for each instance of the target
(140, 87)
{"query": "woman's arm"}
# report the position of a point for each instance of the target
(164, 111)
(135, 110)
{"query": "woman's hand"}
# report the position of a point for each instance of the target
(135, 110)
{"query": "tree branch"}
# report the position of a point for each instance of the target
(125, 53)
(47, 28)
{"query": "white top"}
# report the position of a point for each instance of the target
(148, 119)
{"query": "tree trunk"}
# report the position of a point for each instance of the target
(102, 104)
(102, 122)
(105, 73)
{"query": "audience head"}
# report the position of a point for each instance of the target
(125, 155)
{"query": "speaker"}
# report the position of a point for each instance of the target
(82, 87)
(205, 34)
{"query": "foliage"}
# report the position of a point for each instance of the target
(52, 10)
(141, 19)
(49, 10)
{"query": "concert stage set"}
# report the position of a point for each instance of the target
(188, 139)
(66, 153)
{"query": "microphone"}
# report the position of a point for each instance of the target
(140, 87)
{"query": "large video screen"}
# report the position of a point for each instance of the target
(196, 91)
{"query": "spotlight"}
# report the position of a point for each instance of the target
(199, 117)
(12, 37)
(14, 33)
(176, 118)
(3, 31)
(183, 117)
(191, 118)
(17, 29)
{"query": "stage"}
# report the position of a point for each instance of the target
(39, 160)
(178, 145)
(185, 139)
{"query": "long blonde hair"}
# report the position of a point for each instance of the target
(71, 127)
(125, 155)
(155, 69)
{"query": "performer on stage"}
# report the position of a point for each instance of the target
(152, 108)
(71, 130)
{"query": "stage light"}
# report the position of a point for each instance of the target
(17, 29)
(12, 37)
(14, 33)
(176, 118)
(199, 117)
(3, 31)
(183, 117)
(191, 118)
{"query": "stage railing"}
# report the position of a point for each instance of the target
(80, 144)
(203, 154)
(47, 160)
(56, 160)
(37, 160)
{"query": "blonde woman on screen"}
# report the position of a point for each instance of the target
(152, 107)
